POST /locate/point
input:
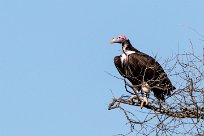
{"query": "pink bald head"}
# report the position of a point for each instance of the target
(119, 39)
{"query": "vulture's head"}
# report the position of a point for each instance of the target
(120, 39)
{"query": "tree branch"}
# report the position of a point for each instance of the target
(190, 113)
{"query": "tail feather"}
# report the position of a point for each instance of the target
(159, 94)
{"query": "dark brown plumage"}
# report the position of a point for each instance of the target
(141, 68)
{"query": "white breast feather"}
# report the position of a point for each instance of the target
(129, 52)
(124, 55)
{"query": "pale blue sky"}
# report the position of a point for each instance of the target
(53, 54)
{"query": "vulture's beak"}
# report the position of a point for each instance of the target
(113, 41)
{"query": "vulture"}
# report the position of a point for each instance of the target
(143, 71)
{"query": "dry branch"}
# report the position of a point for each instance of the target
(182, 113)
(185, 113)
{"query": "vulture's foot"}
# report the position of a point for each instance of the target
(144, 101)
(145, 93)
(131, 99)
(136, 97)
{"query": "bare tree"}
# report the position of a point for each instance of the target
(182, 113)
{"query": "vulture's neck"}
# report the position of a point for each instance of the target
(128, 48)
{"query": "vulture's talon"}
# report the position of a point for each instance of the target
(144, 102)
(130, 100)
